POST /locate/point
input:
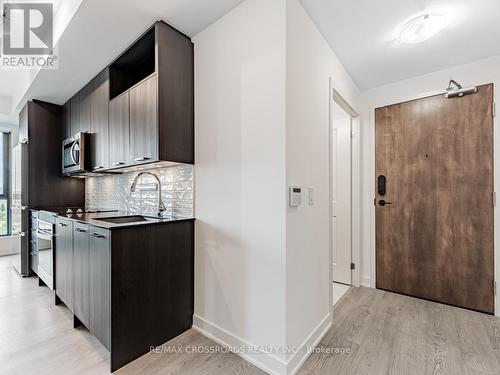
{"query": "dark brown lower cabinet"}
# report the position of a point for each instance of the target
(132, 287)
(64, 261)
(152, 287)
(100, 285)
(81, 272)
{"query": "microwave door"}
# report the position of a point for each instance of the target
(70, 155)
(73, 154)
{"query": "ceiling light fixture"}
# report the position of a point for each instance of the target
(421, 28)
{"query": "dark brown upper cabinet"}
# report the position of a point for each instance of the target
(75, 114)
(88, 111)
(66, 121)
(84, 106)
(42, 159)
(157, 72)
(140, 109)
(119, 131)
(144, 121)
(99, 122)
(80, 110)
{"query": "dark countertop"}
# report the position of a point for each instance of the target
(92, 218)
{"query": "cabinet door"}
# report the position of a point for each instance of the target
(144, 121)
(75, 114)
(23, 124)
(119, 131)
(66, 121)
(81, 272)
(85, 107)
(99, 122)
(64, 261)
(100, 284)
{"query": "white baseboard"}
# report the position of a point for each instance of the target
(297, 359)
(8, 252)
(366, 282)
(265, 361)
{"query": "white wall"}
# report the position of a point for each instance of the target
(262, 76)
(240, 178)
(310, 64)
(477, 73)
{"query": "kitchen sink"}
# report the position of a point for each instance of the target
(126, 219)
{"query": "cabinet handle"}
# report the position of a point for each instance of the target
(118, 163)
(97, 235)
(23, 140)
(142, 158)
(98, 167)
(62, 225)
(80, 230)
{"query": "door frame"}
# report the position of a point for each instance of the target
(334, 96)
(370, 200)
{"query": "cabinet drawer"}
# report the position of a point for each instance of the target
(81, 272)
(100, 285)
(64, 261)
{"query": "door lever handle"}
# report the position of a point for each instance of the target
(383, 202)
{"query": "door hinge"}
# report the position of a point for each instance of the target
(494, 288)
(494, 199)
(375, 202)
(494, 109)
(353, 266)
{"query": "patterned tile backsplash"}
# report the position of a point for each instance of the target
(113, 192)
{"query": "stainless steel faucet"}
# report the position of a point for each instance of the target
(161, 206)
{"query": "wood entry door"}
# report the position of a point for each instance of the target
(435, 241)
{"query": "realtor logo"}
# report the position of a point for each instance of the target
(27, 36)
(27, 28)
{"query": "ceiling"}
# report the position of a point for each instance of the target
(363, 35)
(97, 33)
(361, 32)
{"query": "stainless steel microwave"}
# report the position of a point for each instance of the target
(75, 154)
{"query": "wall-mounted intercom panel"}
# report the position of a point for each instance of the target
(295, 196)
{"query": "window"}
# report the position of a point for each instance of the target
(4, 184)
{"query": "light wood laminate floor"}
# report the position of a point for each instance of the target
(37, 337)
(384, 333)
(388, 333)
